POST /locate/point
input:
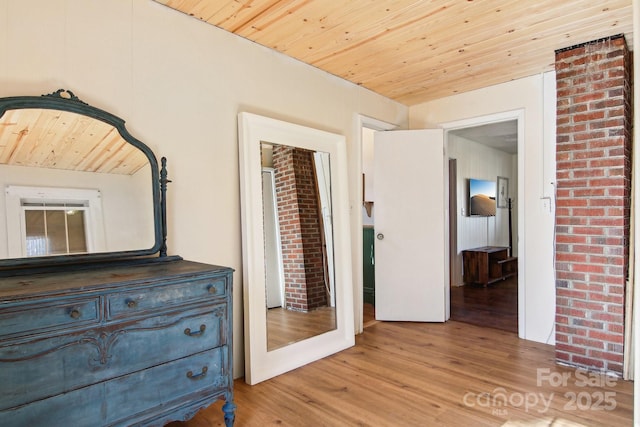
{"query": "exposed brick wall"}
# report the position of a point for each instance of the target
(300, 228)
(593, 154)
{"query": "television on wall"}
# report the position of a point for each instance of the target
(482, 197)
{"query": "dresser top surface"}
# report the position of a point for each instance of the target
(101, 277)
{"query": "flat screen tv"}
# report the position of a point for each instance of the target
(482, 197)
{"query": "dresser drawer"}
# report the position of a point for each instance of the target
(116, 402)
(159, 339)
(164, 297)
(43, 317)
(166, 386)
(42, 368)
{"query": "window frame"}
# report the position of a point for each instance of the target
(16, 229)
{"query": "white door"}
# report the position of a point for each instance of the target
(273, 266)
(323, 172)
(410, 248)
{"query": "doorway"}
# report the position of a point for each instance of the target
(484, 231)
(368, 127)
(486, 153)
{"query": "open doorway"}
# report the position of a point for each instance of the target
(368, 222)
(368, 130)
(483, 256)
(493, 233)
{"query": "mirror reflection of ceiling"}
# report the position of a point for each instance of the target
(65, 140)
(501, 136)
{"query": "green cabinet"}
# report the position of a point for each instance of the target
(368, 268)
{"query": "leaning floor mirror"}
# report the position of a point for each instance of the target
(298, 292)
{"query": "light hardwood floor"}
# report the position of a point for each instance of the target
(417, 374)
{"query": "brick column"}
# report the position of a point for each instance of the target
(300, 228)
(593, 202)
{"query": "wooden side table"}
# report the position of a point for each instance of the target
(488, 264)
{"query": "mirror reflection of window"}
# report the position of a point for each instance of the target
(54, 229)
(45, 221)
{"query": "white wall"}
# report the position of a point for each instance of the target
(478, 161)
(535, 96)
(180, 83)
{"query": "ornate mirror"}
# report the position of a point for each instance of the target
(77, 185)
(296, 250)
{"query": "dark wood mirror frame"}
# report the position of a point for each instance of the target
(65, 100)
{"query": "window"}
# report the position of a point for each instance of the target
(54, 228)
(53, 221)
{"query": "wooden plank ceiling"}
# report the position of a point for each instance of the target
(414, 51)
(64, 140)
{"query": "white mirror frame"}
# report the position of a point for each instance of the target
(261, 364)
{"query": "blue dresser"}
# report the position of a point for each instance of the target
(115, 344)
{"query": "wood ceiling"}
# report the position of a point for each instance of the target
(414, 51)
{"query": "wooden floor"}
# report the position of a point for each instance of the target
(493, 306)
(422, 374)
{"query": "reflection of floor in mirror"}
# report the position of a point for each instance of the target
(287, 326)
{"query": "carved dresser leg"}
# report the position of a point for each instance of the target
(229, 409)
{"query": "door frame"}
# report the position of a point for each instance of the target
(361, 121)
(378, 125)
(519, 116)
(453, 220)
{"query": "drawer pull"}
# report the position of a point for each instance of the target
(199, 376)
(75, 313)
(213, 290)
(132, 303)
(197, 333)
